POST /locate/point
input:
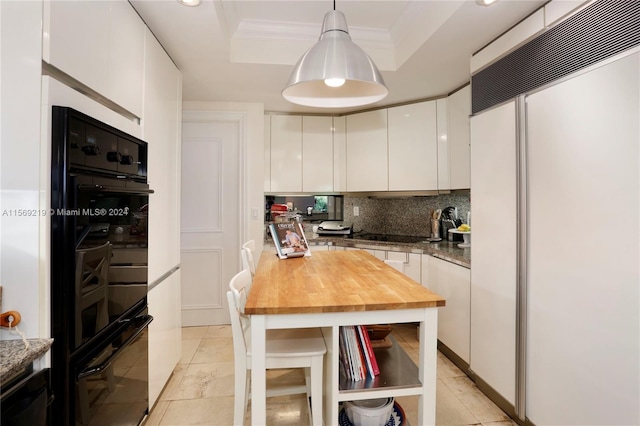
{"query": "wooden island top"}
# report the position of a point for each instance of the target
(333, 281)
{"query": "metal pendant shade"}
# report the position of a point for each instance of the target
(338, 61)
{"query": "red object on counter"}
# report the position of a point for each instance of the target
(278, 209)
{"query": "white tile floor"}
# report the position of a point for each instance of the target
(200, 391)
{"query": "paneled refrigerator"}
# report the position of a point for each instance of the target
(555, 323)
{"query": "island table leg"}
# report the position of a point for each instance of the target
(428, 366)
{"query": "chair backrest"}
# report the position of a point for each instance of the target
(247, 261)
(396, 264)
(249, 249)
(237, 298)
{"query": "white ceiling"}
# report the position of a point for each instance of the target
(244, 51)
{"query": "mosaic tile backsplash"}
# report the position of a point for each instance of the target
(402, 216)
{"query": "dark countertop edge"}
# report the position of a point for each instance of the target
(14, 356)
(445, 250)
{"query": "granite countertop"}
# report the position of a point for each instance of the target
(14, 356)
(444, 250)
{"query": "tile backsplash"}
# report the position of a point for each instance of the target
(401, 216)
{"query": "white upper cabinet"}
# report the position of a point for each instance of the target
(443, 144)
(413, 147)
(286, 153)
(340, 154)
(367, 167)
(555, 10)
(161, 129)
(507, 42)
(100, 44)
(459, 110)
(317, 154)
(77, 40)
(126, 57)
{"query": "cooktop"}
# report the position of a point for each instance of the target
(389, 238)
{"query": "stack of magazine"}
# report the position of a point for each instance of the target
(357, 359)
(289, 239)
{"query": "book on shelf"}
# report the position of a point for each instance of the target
(289, 239)
(357, 358)
(344, 356)
(372, 363)
(357, 354)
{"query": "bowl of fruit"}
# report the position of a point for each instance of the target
(465, 230)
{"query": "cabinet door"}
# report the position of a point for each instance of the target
(286, 153)
(453, 282)
(340, 154)
(367, 168)
(380, 254)
(493, 300)
(413, 147)
(161, 128)
(165, 333)
(444, 179)
(126, 54)
(424, 272)
(459, 109)
(100, 44)
(582, 138)
(78, 41)
(317, 154)
(412, 263)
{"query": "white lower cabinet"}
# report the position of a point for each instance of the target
(411, 261)
(453, 282)
(412, 267)
(380, 254)
(165, 333)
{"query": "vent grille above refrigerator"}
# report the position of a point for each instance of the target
(593, 34)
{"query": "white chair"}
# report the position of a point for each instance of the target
(396, 264)
(248, 256)
(290, 348)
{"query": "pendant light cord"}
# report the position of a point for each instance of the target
(334, 4)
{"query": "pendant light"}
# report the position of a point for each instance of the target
(335, 72)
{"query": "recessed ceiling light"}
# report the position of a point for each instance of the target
(190, 3)
(485, 2)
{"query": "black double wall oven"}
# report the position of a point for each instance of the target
(99, 213)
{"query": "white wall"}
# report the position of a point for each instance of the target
(21, 267)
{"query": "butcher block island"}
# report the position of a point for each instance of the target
(330, 289)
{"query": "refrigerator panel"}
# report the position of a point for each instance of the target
(583, 282)
(493, 248)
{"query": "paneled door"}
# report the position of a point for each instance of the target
(210, 214)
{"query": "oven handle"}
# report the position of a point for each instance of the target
(102, 188)
(107, 362)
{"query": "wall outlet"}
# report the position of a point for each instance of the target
(356, 211)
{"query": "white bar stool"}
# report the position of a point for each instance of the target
(288, 348)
